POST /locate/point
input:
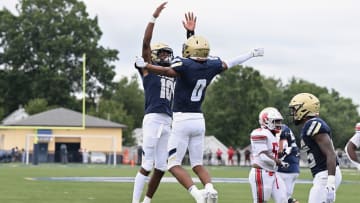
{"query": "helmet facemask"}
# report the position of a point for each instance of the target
(161, 54)
(303, 105)
(271, 119)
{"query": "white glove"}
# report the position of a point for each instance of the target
(330, 193)
(288, 150)
(284, 164)
(258, 52)
(140, 63)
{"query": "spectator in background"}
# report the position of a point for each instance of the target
(23, 155)
(208, 156)
(230, 156)
(63, 153)
(247, 157)
(238, 156)
(218, 156)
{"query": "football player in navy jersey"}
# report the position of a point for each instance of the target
(316, 141)
(289, 153)
(193, 72)
(158, 114)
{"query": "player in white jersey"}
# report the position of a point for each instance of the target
(352, 145)
(264, 180)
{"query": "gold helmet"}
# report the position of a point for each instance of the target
(196, 47)
(303, 105)
(157, 49)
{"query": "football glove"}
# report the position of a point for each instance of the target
(258, 52)
(284, 164)
(140, 63)
(330, 193)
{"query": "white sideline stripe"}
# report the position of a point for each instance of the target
(131, 179)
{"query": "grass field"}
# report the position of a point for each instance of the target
(16, 185)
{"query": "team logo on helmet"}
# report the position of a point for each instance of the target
(270, 118)
(303, 105)
(161, 54)
(196, 47)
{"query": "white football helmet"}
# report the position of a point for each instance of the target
(156, 54)
(303, 105)
(357, 127)
(196, 47)
(270, 118)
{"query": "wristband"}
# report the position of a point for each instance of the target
(152, 19)
(331, 180)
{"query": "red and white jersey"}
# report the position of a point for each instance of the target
(263, 140)
(356, 139)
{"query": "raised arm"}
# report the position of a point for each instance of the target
(189, 24)
(242, 58)
(146, 48)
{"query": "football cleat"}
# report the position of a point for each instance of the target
(211, 196)
(293, 200)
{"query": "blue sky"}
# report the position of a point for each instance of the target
(314, 40)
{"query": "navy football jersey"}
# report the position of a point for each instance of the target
(158, 93)
(294, 157)
(191, 85)
(316, 159)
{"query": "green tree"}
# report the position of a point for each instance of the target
(122, 102)
(128, 93)
(114, 111)
(232, 105)
(35, 106)
(41, 51)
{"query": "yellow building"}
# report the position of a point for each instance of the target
(62, 126)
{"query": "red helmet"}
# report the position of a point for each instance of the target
(357, 127)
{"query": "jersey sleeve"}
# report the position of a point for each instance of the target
(356, 140)
(316, 126)
(259, 142)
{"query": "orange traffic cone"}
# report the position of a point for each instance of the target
(132, 163)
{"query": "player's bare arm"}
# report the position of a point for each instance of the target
(326, 146)
(161, 70)
(351, 151)
(146, 48)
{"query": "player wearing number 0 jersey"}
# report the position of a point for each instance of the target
(194, 72)
(158, 113)
(264, 180)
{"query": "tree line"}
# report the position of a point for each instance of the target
(41, 48)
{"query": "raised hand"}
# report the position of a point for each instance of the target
(190, 21)
(159, 9)
(258, 52)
